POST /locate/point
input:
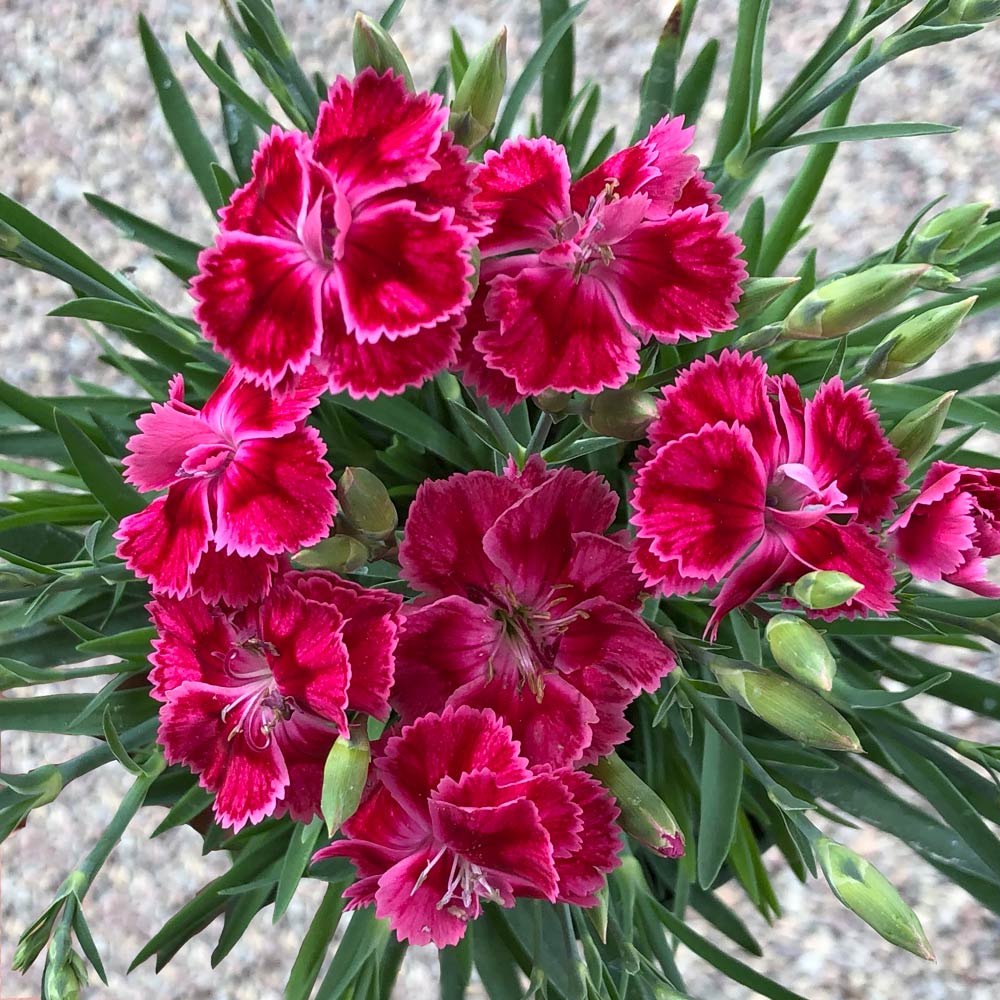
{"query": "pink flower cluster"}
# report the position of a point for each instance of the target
(746, 485)
(345, 264)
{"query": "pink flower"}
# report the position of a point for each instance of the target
(743, 482)
(246, 481)
(536, 610)
(575, 277)
(952, 528)
(254, 699)
(455, 815)
(350, 250)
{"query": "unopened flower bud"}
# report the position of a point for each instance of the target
(372, 46)
(974, 11)
(917, 432)
(365, 504)
(340, 553)
(344, 776)
(790, 708)
(552, 401)
(947, 232)
(620, 413)
(644, 815)
(844, 304)
(938, 279)
(822, 589)
(65, 974)
(759, 293)
(864, 890)
(801, 651)
(474, 109)
(915, 340)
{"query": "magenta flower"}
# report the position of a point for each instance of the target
(745, 483)
(254, 699)
(350, 250)
(246, 481)
(952, 528)
(455, 815)
(575, 277)
(535, 610)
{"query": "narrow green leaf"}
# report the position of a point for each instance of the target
(858, 133)
(456, 969)
(226, 84)
(300, 850)
(579, 138)
(237, 124)
(180, 250)
(721, 786)
(560, 452)
(599, 153)
(557, 76)
(115, 744)
(104, 481)
(876, 699)
(194, 147)
(496, 966)
(692, 92)
(532, 70)
(388, 19)
(752, 233)
(239, 914)
(723, 919)
(364, 936)
(192, 803)
(656, 92)
(86, 939)
(309, 961)
(458, 58)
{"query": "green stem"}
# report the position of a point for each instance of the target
(502, 432)
(540, 434)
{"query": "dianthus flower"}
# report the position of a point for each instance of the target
(349, 250)
(745, 484)
(952, 528)
(455, 816)
(575, 277)
(535, 611)
(254, 698)
(246, 481)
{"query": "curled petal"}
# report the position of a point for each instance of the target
(234, 580)
(165, 436)
(523, 194)
(700, 500)
(678, 277)
(555, 332)
(845, 445)
(402, 271)
(276, 495)
(259, 304)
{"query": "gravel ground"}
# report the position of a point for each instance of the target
(78, 115)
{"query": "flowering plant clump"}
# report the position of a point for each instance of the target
(506, 536)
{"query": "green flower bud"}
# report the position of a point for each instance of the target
(372, 46)
(822, 589)
(917, 432)
(365, 504)
(844, 304)
(65, 975)
(915, 340)
(340, 553)
(790, 708)
(801, 651)
(620, 413)
(553, 401)
(759, 293)
(864, 890)
(344, 776)
(474, 109)
(947, 232)
(644, 815)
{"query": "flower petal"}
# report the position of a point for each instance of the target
(259, 304)
(165, 542)
(276, 495)
(309, 662)
(662, 573)
(678, 277)
(192, 643)
(532, 541)
(270, 203)
(554, 332)
(730, 388)
(523, 194)
(231, 579)
(402, 271)
(367, 370)
(599, 567)
(845, 444)
(700, 500)
(248, 783)
(372, 134)
(442, 549)
(443, 646)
